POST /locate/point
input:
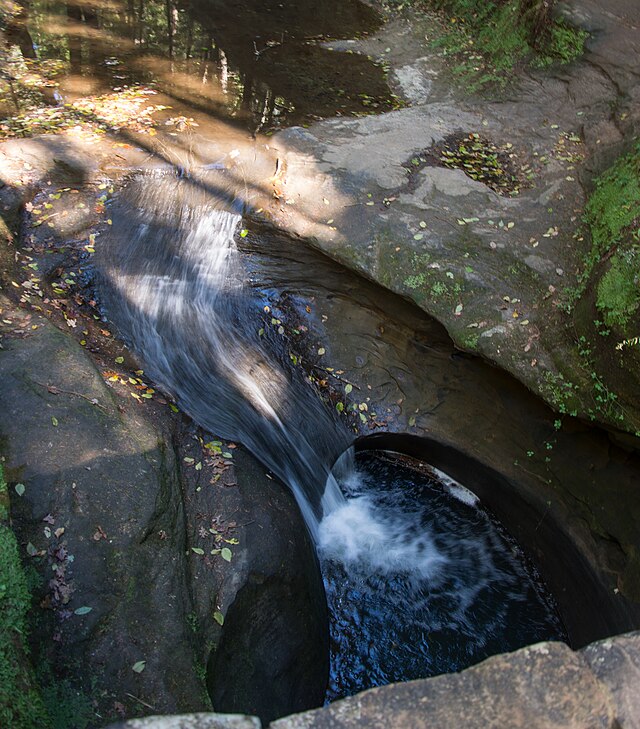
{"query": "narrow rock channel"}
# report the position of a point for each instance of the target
(198, 318)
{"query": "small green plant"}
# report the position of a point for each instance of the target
(414, 282)
(560, 393)
(439, 290)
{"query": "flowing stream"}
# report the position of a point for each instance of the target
(177, 293)
(419, 579)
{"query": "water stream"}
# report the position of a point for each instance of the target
(177, 293)
(419, 581)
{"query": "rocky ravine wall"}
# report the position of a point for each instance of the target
(541, 686)
(494, 269)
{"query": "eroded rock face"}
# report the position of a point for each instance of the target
(273, 652)
(565, 490)
(496, 270)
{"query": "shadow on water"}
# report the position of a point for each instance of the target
(259, 62)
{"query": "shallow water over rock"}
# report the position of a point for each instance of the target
(258, 64)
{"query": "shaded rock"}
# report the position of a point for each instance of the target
(100, 487)
(273, 654)
(545, 685)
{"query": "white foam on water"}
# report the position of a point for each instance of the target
(368, 540)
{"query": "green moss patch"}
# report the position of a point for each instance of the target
(21, 705)
(488, 39)
(613, 216)
(618, 294)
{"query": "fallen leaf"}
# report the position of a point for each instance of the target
(139, 666)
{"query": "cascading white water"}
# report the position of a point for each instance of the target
(174, 284)
(421, 580)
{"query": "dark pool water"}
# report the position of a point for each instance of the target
(421, 580)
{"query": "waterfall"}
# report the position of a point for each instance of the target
(419, 579)
(174, 284)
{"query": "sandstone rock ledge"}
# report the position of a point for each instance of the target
(544, 685)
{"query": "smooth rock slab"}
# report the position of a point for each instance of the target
(92, 469)
(545, 685)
